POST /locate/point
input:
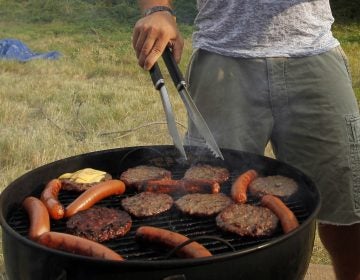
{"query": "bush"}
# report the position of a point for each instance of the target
(123, 11)
(346, 10)
(80, 11)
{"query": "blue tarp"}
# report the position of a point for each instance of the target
(16, 50)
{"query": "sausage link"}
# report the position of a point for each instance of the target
(38, 216)
(77, 245)
(172, 239)
(287, 218)
(201, 186)
(240, 186)
(49, 197)
(93, 195)
(170, 186)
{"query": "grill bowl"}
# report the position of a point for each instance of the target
(277, 257)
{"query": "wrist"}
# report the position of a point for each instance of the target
(146, 4)
(160, 8)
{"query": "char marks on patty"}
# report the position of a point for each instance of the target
(147, 204)
(277, 185)
(203, 204)
(99, 223)
(138, 175)
(207, 172)
(247, 220)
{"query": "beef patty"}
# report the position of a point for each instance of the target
(83, 179)
(247, 220)
(138, 175)
(207, 172)
(203, 204)
(277, 185)
(99, 223)
(147, 204)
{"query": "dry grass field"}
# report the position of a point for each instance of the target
(94, 97)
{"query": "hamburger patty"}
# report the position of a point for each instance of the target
(83, 179)
(207, 172)
(69, 185)
(277, 185)
(247, 220)
(99, 223)
(147, 204)
(202, 204)
(137, 175)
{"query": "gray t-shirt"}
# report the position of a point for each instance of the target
(264, 28)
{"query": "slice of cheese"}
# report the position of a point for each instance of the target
(84, 176)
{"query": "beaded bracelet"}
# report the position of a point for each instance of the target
(158, 9)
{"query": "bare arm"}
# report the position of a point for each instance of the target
(154, 32)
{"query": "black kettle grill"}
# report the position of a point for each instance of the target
(279, 256)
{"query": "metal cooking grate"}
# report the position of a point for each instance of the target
(192, 227)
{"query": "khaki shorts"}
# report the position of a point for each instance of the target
(304, 106)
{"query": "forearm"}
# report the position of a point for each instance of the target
(146, 4)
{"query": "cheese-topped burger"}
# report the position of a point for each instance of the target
(83, 179)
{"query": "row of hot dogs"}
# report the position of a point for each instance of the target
(87, 199)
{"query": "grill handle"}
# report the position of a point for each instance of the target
(62, 275)
(175, 277)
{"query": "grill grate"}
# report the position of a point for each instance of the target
(173, 220)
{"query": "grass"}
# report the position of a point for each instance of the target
(349, 37)
(90, 99)
(95, 97)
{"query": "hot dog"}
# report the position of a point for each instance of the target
(170, 186)
(77, 245)
(38, 216)
(200, 186)
(172, 239)
(287, 218)
(93, 195)
(239, 187)
(49, 197)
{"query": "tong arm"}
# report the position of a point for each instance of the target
(159, 84)
(157, 77)
(173, 68)
(191, 108)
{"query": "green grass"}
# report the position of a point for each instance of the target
(349, 37)
(53, 109)
(95, 97)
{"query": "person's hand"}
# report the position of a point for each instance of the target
(152, 34)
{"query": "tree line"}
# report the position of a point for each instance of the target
(343, 10)
(126, 11)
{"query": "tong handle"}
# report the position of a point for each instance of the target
(156, 76)
(173, 69)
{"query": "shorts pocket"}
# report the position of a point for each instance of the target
(353, 130)
(353, 127)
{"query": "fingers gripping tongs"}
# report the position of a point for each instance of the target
(190, 106)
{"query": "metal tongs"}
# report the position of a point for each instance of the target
(191, 108)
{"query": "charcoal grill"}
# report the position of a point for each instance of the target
(278, 256)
